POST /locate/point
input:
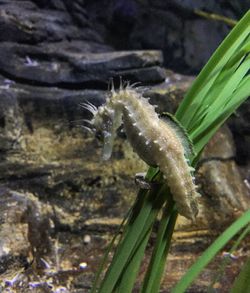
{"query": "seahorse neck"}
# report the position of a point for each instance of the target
(135, 106)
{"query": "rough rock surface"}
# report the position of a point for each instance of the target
(48, 67)
(239, 124)
(58, 192)
(60, 204)
(171, 26)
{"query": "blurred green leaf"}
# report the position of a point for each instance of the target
(210, 253)
(242, 282)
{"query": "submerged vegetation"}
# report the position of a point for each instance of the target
(221, 87)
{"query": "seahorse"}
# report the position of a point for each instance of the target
(159, 141)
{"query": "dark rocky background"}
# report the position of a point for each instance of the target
(60, 203)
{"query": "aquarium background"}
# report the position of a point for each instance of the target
(60, 203)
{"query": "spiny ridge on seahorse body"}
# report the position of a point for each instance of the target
(159, 142)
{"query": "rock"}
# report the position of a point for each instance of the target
(239, 123)
(168, 94)
(34, 102)
(177, 35)
(195, 40)
(154, 74)
(14, 244)
(221, 185)
(67, 69)
(10, 123)
(221, 147)
(171, 26)
(24, 231)
(25, 23)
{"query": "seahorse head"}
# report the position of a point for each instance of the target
(104, 122)
(108, 117)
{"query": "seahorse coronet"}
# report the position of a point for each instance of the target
(158, 142)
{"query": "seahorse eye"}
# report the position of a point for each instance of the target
(99, 135)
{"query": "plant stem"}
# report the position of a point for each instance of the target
(136, 227)
(159, 255)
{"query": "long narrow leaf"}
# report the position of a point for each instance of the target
(209, 254)
(227, 260)
(233, 41)
(166, 245)
(242, 282)
(130, 271)
(219, 89)
(124, 251)
(158, 250)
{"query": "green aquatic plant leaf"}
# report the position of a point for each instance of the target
(210, 253)
(227, 259)
(166, 227)
(139, 224)
(217, 92)
(242, 282)
(203, 83)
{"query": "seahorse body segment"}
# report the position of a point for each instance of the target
(154, 139)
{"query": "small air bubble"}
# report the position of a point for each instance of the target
(86, 239)
(83, 265)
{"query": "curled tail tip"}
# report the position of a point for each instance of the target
(190, 210)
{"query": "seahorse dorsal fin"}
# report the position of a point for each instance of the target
(180, 132)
